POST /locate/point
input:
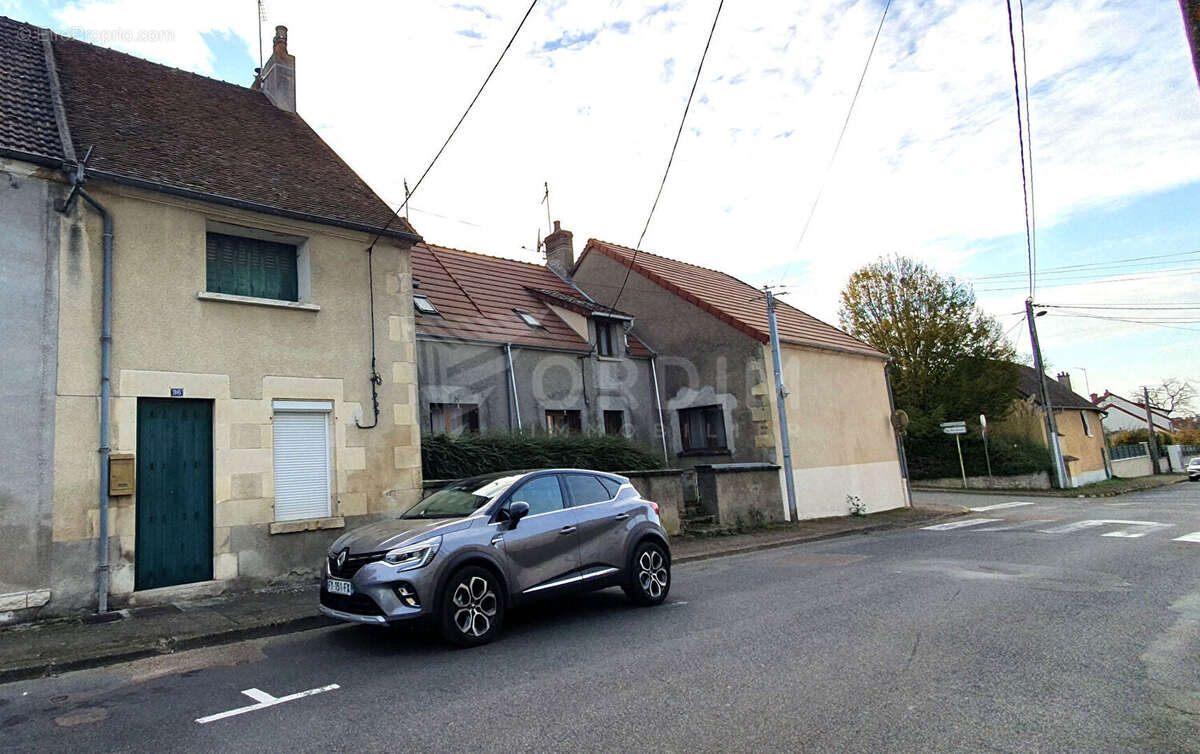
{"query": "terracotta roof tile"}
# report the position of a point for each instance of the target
(732, 301)
(477, 294)
(27, 124)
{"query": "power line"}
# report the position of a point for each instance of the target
(671, 158)
(454, 130)
(1129, 321)
(1029, 134)
(1069, 276)
(1066, 284)
(1188, 306)
(1082, 266)
(1021, 143)
(838, 145)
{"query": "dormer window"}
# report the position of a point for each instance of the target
(609, 340)
(425, 306)
(528, 318)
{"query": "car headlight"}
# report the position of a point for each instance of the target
(415, 555)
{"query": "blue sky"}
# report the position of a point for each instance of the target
(590, 96)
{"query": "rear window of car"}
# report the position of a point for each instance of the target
(611, 485)
(586, 489)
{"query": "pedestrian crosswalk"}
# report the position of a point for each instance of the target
(1104, 527)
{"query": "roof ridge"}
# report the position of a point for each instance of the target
(672, 259)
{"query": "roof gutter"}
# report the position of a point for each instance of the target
(265, 209)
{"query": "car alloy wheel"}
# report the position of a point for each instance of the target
(472, 607)
(649, 577)
(652, 573)
(475, 605)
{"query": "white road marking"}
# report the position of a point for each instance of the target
(1193, 537)
(998, 506)
(263, 700)
(1142, 527)
(959, 524)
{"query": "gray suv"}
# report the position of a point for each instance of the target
(473, 549)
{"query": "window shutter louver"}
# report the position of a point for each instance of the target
(251, 267)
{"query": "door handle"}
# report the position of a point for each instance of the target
(497, 540)
(566, 530)
(621, 516)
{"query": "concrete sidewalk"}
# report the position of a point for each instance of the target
(50, 647)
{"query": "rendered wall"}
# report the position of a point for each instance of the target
(29, 240)
(842, 441)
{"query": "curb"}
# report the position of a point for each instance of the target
(1044, 493)
(43, 669)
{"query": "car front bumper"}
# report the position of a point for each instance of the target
(377, 598)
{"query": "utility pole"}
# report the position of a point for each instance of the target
(781, 399)
(1150, 426)
(1060, 468)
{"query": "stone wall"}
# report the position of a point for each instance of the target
(1036, 481)
(741, 495)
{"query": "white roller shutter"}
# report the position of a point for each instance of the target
(302, 487)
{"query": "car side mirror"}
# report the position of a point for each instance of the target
(517, 510)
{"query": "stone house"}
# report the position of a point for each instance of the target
(715, 372)
(225, 246)
(504, 345)
(1080, 428)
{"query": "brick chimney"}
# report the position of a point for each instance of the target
(560, 251)
(277, 79)
(1064, 379)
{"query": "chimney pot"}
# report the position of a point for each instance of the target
(1064, 379)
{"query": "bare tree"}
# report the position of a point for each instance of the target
(1172, 394)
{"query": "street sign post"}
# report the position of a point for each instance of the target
(956, 429)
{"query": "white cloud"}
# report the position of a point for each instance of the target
(929, 165)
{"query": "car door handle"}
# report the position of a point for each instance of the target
(567, 530)
(621, 516)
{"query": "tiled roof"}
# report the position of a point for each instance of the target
(165, 129)
(27, 125)
(476, 295)
(1060, 396)
(738, 304)
(575, 303)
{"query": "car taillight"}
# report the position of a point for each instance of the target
(653, 506)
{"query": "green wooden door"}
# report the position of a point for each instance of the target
(174, 492)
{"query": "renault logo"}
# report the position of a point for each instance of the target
(341, 558)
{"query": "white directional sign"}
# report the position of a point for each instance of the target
(947, 425)
(954, 430)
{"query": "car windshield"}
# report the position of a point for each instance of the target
(461, 498)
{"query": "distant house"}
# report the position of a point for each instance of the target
(710, 333)
(1080, 430)
(507, 345)
(241, 420)
(1122, 414)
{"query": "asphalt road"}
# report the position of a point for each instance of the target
(1029, 631)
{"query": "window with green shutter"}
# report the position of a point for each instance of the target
(251, 267)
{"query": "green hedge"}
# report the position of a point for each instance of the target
(934, 457)
(447, 457)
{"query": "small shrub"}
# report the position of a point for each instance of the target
(448, 457)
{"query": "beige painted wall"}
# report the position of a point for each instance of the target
(1027, 420)
(839, 425)
(242, 357)
(1075, 442)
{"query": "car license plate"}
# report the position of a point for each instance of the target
(339, 586)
